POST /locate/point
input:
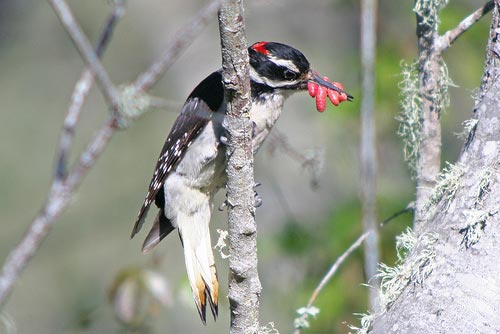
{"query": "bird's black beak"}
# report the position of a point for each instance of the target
(314, 77)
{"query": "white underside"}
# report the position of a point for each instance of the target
(190, 188)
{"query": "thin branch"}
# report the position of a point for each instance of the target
(331, 272)
(63, 188)
(449, 37)
(80, 93)
(109, 27)
(87, 52)
(89, 156)
(368, 160)
(341, 259)
(59, 197)
(335, 266)
(181, 40)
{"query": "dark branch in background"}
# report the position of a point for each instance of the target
(87, 52)
(63, 187)
(368, 159)
(244, 284)
(301, 322)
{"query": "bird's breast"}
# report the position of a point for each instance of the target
(203, 164)
(264, 114)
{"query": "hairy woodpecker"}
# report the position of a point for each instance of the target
(191, 166)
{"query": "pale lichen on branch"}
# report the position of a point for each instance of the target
(410, 123)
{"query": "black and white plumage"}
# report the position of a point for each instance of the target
(191, 166)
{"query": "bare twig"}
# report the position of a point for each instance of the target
(341, 259)
(80, 93)
(244, 284)
(449, 37)
(335, 266)
(63, 188)
(368, 161)
(181, 40)
(87, 52)
(333, 269)
(90, 155)
(58, 198)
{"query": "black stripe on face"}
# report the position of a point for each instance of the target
(279, 66)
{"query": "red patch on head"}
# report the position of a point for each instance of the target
(261, 48)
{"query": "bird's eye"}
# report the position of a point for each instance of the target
(290, 75)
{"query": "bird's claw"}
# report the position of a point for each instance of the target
(224, 140)
(257, 199)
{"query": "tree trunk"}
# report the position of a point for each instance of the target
(449, 281)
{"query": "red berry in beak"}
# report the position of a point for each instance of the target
(320, 88)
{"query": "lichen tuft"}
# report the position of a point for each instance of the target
(409, 118)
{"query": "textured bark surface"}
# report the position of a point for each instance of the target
(429, 64)
(244, 284)
(454, 284)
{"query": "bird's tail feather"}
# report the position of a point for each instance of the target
(200, 263)
(160, 229)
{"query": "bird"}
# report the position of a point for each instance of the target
(191, 166)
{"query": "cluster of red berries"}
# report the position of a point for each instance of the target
(321, 92)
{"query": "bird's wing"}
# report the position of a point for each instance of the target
(194, 116)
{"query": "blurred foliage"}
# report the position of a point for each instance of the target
(301, 231)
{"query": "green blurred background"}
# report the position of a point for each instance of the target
(301, 230)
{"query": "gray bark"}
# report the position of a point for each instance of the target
(429, 68)
(244, 284)
(368, 159)
(449, 281)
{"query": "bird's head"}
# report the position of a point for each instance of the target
(279, 66)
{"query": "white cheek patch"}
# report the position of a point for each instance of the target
(254, 76)
(285, 63)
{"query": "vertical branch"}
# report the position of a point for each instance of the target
(432, 93)
(368, 145)
(244, 284)
(430, 68)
